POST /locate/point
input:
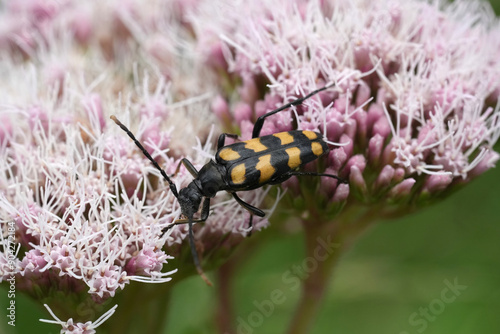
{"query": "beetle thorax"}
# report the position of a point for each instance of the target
(210, 179)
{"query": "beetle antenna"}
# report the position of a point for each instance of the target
(194, 253)
(173, 188)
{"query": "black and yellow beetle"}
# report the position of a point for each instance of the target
(242, 166)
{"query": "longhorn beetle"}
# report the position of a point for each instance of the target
(242, 166)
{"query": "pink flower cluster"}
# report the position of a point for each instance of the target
(70, 326)
(416, 85)
(88, 206)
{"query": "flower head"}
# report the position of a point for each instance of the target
(415, 85)
(88, 207)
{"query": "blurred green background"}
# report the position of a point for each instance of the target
(382, 284)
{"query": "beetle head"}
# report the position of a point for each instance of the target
(189, 200)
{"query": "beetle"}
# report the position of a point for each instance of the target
(243, 166)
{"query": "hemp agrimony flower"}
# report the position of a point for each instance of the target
(88, 207)
(412, 115)
(415, 101)
(414, 107)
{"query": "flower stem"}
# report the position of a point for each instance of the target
(224, 316)
(314, 286)
(226, 275)
(333, 239)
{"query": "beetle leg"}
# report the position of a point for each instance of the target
(204, 215)
(181, 221)
(250, 225)
(205, 209)
(221, 142)
(189, 220)
(252, 209)
(189, 166)
(260, 121)
(194, 253)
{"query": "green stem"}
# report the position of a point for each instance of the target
(313, 287)
(224, 313)
(332, 238)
